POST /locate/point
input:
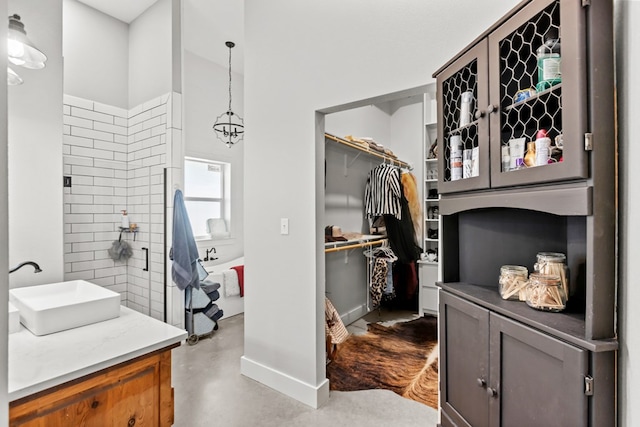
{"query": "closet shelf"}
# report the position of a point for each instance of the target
(363, 242)
(391, 160)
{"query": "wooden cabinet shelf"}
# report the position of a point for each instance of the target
(368, 151)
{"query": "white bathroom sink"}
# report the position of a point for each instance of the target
(55, 307)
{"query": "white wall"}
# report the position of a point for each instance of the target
(369, 121)
(4, 231)
(151, 53)
(35, 151)
(628, 62)
(301, 58)
(206, 96)
(96, 55)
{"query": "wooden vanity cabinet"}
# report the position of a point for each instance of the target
(134, 393)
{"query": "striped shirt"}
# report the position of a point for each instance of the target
(383, 192)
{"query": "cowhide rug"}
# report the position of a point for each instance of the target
(402, 358)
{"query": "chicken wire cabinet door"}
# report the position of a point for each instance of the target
(525, 103)
(463, 128)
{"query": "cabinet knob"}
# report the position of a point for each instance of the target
(479, 114)
(482, 382)
(492, 392)
(491, 108)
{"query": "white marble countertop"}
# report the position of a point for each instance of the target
(38, 363)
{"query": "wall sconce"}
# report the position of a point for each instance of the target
(21, 51)
(229, 126)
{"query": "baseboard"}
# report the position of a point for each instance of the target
(354, 314)
(314, 396)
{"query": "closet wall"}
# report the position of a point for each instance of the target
(398, 126)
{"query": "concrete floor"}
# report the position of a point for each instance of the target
(210, 391)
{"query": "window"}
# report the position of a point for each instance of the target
(206, 197)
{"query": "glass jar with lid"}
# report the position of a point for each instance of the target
(512, 282)
(554, 263)
(545, 292)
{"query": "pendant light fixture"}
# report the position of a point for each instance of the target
(13, 79)
(21, 51)
(229, 126)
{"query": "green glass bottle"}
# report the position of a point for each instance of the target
(549, 61)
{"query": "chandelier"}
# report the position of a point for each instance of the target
(229, 126)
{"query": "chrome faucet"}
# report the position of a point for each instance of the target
(36, 267)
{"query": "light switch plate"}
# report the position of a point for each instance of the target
(284, 225)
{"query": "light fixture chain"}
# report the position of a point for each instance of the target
(229, 78)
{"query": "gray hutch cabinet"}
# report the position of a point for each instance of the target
(503, 363)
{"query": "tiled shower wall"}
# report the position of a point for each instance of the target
(116, 159)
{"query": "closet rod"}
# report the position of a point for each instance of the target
(355, 246)
(368, 151)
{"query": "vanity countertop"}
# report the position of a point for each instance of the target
(37, 363)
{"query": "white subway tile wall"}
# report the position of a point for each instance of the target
(116, 159)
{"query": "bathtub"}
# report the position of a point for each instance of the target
(230, 305)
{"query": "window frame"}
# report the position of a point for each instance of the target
(224, 200)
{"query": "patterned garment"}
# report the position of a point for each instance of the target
(383, 192)
(378, 280)
(333, 326)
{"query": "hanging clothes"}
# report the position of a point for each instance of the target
(378, 281)
(410, 189)
(383, 192)
(402, 236)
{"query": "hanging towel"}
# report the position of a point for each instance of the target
(184, 270)
(230, 282)
(240, 270)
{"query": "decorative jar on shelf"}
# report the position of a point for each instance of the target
(513, 282)
(553, 263)
(545, 292)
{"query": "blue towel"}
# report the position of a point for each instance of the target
(184, 270)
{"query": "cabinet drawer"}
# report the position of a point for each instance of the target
(429, 299)
(134, 393)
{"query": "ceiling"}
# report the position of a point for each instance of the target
(207, 25)
(124, 10)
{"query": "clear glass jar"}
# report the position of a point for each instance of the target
(545, 292)
(553, 263)
(513, 281)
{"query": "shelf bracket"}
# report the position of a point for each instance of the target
(588, 385)
(348, 164)
(588, 141)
